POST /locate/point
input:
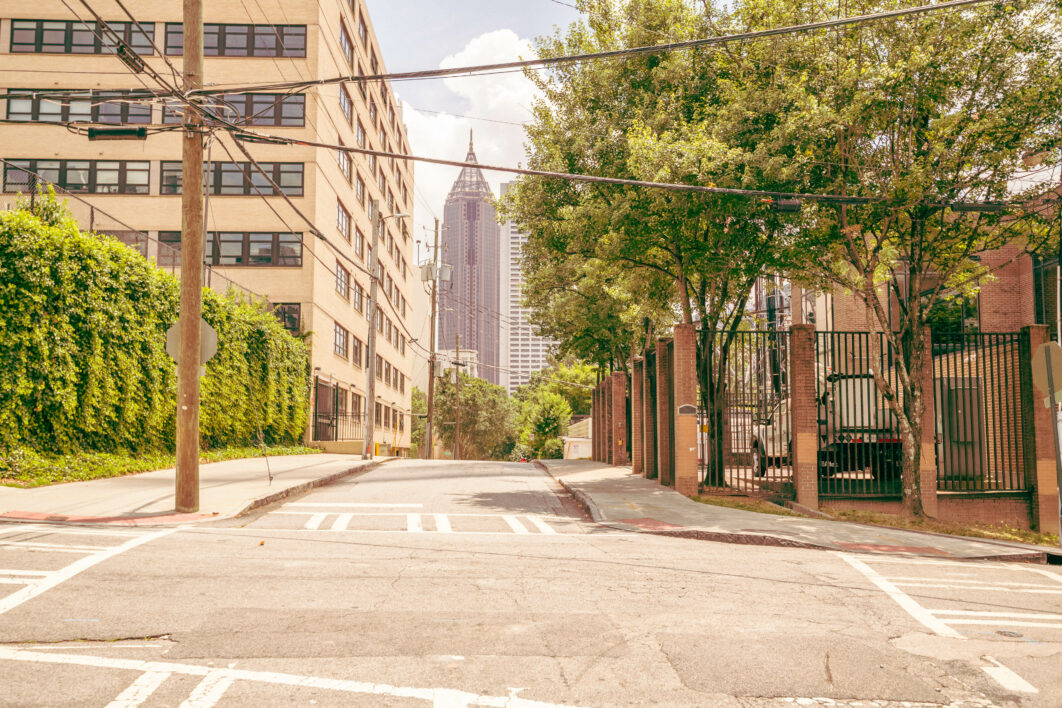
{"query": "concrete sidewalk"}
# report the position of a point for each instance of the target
(226, 489)
(616, 497)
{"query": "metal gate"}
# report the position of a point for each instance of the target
(748, 432)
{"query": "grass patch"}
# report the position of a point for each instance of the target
(22, 467)
(745, 504)
(998, 532)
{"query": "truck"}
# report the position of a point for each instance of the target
(857, 431)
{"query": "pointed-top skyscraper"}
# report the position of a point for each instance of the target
(470, 237)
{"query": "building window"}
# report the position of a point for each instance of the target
(341, 341)
(274, 109)
(356, 349)
(290, 316)
(345, 104)
(372, 109)
(242, 40)
(345, 44)
(346, 165)
(361, 135)
(62, 37)
(342, 281)
(235, 248)
(387, 416)
(363, 31)
(401, 383)
(239, 178)
(95, 107)
(387, 373)
(379, 366)
(378, 414)
(85, 176)
(359, 243)
(359, 190)
(343, 221)
(359, 297)
(361, 84)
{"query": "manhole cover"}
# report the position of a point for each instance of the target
(1007, 633)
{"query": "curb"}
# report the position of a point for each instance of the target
(1033, 555)
(304, 486)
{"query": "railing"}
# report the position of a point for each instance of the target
(859, 445)
(977, 397)
(338, 426)
(748, 436)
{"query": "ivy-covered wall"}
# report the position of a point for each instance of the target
(83, 362)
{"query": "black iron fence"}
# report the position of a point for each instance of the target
(744, 421)
(859, 445)
(338, 426)
(977, 396)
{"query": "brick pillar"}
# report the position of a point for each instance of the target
(664, 408)
(637, 391)
(598, 414)
(649, 438)
(927, 464)
(1038, 425)
(618, 383)
(685, 406)
(610, 429)
(803, 415)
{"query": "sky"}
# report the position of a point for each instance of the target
(417, 34)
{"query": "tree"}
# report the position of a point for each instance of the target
(907, 117)
(488, 421)
(418, 423)
(574, 382)
(545, 419)
(626, 262)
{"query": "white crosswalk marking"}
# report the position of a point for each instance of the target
(442, 523)
(209, 691)
(413, 523)
(514, 524)
(315, 521)
(139, 690)
(342, 522)
(541, 525)
(91, 555)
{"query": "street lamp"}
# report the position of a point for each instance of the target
(370, 362)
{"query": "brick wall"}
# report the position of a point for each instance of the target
(803, 415)
(637, 392)
(664, 421)
(685, 407)
(649, 411)
(1010, 508)
(619, 434)
(1007, 301)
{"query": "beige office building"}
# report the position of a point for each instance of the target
(318, 284)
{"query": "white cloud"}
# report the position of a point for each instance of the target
(498, 97)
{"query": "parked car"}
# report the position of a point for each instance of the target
(857, 431)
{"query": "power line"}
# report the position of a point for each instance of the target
(616, 53)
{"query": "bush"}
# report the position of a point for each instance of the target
(83, 362)
(552, 449)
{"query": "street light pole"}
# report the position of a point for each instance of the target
(186, 495)
(457, 397)
(429, 443)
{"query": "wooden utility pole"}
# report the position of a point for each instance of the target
(429, 443)
(457, 397)
(370, 351)
(191, 308)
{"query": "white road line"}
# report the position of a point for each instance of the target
(1007, 622)
(209, 691)
(139, 690)
(413, 523)
(986, 588)
(902, 580)
(45, 529)
(7, 571)
(358, 505)
(50, 581)
(290, 512)
(314, 522)
(944, 563)
(442, 523)
(1007, 678)
(342, 522)
(514, 524)
(53, 547)
(901, 598)
(1015, 615)
(273, 678)
(541, 525)
(17, 581)
(1047, 573)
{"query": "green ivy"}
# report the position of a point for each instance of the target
(83, 362)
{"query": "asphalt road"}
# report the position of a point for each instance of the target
(453, 584)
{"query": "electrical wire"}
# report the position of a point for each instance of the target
(617, 53)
